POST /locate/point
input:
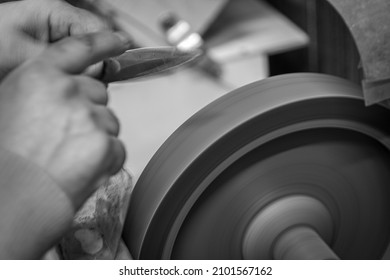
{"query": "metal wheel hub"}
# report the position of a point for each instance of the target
(263, 233)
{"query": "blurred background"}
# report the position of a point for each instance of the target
(244, 41)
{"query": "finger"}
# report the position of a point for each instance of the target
(117, 156)
(95, 71)
(92, 89)
(106, 120)
(74, 54)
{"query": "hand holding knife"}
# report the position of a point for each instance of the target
(137, 62)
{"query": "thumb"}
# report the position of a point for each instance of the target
(26, 47)
(74, 54)
(22, 48)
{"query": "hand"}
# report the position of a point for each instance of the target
(27, 27)
(59, 120)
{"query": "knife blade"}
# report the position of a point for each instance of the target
(143, 62)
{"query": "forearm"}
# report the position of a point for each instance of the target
(34, 211)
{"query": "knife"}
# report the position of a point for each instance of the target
(142, 62)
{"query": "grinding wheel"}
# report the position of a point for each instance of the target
(293, 166)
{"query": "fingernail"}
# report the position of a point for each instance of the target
(125, 38)
(110, 69)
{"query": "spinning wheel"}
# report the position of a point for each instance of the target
(291, 167)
